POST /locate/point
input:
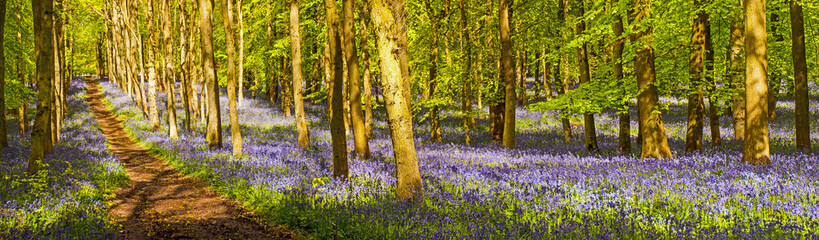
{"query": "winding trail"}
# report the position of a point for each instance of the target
(162, 203)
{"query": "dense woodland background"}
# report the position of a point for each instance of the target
(632, 79)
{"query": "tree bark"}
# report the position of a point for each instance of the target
(230, 44)
(585, 77)
(756, 147)
(507, 72)
(4, 142)
(170, 75)
(43, 15)
(711, 86)
(153, 113)
(434, 123)
(272, 84)
(655, 142)
(389, 21)
(366, 93)
(362, 148)
(734, 71)
(800, 77)
(693, 135)
(624, 133)
(337, 133)
(466, 96)
(295, 46)
(562, 71)
(214, 126)
(241, 34)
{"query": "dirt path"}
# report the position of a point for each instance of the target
(161, 203)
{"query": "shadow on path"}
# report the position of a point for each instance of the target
(161, 203)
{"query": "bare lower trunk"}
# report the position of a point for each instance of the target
(337, 133)
(507, 72)
(693, 135)
(170, 76)
(655, 142)
(362, 148)
(230, 35)
(366, 93)
(295, 46)
(800, 80)
(214, 133)
(389, 19)
(756, 147)
(43, 34)
(734, 71)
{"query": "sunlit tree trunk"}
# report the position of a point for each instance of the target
(655, 142)
(170, 75)
(366, 93)
(272, 84)
(434, 124)
(466, 96)
(507, 73)
(546, 69)
(230, 44)
(56, 95)
(362, 148)
(735, 47)
(241, 34)
(153, 112)
(214, 133)
(337, 133)
(388, 19)
(756, 146)
(295, 46)
(184, 74)
(800, 78)
(562, 70)
(43, 44)
(693, 135)
(585, 78)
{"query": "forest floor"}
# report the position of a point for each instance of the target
(162, 203)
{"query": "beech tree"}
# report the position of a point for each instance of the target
(335, 61)
(756, 147)
(507, 72)
(800, 81)
(390, 24)
(362, 147)
(295, 46)
(214, 124)
(230, 45)
(43, 12)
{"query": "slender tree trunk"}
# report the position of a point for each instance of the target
(230, 44)
(693, 136)
(756, 146)
(214, 133)
(43, 14)
(56, 100)
(153, 113)
(800, 78)
(434, 124)
(774, 86)
(585, 77)
(241, 31)
(362, 148)
(272, 84)
(4, 142)
(736, 45)
(184, 73)
(337, 133)
(295, 46)
(711, 85)
(389, 20)
(624, 133)
(546, 67)
(523, 100)
(466, 96)
(655, 142)
(562, 71)
(507, 72)
(366, 93)
(170, 75)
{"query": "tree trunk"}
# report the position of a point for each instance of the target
(295, 46)
(43, 43)
(711, 85)
(585, 77)
(655, 142)
(362, 148)
(800, 77)
(546, 67)
(735, 47)
(4, 142)
(389, 20)
(230, 44)
(241, 70)
(624, 133)
(562, 71)
(214, 133)
(507, 72)
(693, 135)
(337, 133)
(756, 147)
(466, 96)
(366, 94)
(184, 73)
(153, 113)
(170, 78)
(434, 124)
(56, 100)
(522, 98)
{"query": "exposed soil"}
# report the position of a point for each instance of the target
(162, 203)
